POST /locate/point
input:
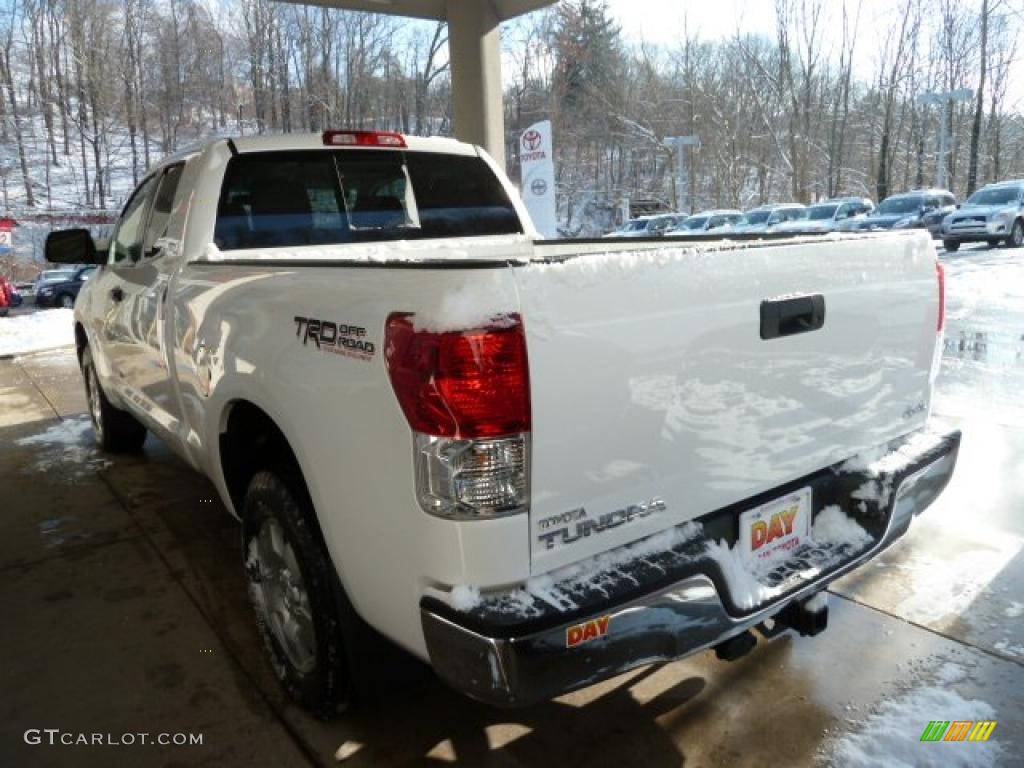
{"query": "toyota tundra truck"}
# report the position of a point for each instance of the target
(533, 464)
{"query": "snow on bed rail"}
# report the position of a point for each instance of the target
(495, 247)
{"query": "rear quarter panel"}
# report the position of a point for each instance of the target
(236, 338)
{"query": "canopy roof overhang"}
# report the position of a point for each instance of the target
(474, 52)
(440, 10)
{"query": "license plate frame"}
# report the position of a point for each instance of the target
(768, 536)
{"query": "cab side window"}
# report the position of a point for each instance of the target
(163, 203)
(127, 245)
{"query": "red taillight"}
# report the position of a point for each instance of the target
(941, 272)
(363, 139)
(463, 384)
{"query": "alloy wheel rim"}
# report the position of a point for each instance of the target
(284, 595)
(95, 408)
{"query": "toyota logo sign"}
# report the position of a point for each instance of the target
(531, 140)
(538, 187)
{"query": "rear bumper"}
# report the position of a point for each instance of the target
(516, 664)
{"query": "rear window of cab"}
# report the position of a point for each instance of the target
(319, 197)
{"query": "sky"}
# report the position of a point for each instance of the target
(662, 22)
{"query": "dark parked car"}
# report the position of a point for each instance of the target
(917, 209)
(64, 292)
(993, 214)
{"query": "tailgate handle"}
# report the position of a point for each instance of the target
(790, 316)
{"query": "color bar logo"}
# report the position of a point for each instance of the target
(958, 730)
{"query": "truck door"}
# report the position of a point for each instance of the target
(159, 260)
(116, 284)
(142, 276)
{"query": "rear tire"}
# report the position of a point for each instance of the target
(951, 245)
(116, 431)
(4, 311)
(292, 588)
(1016, 238)
(67, 301)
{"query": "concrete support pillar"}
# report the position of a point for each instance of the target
(474, 44)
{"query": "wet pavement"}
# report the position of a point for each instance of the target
(124, 612)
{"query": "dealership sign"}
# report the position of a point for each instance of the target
(538, 175)
(6, 234)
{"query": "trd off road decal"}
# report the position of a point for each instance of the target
(339, 338)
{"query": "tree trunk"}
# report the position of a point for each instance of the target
(30, 200)
(972, 168)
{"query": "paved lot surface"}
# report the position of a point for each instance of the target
(124, 611)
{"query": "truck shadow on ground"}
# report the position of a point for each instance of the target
(412, 718)
(643, 717)
(442, 726)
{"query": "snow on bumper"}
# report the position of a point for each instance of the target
(509, 649)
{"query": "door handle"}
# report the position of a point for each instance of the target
(792, 315)
(117, 294)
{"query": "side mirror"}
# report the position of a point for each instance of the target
(71, 246)
(957, 205)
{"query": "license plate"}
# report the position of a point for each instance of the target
(770, 533)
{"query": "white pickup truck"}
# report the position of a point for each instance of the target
(533, 464)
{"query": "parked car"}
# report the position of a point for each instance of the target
(53, 276)
(706, 222)
(57, 292)
(648, 226)
(766, 217)
(917, 209)
(827, 216)
(993, 214)
(418, 410)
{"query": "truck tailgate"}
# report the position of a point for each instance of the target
(656, 399)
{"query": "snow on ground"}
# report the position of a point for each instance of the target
(892, 735)
(1009, 648)
(36, 332)
(66, 450)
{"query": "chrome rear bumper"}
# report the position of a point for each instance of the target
(519, 664)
